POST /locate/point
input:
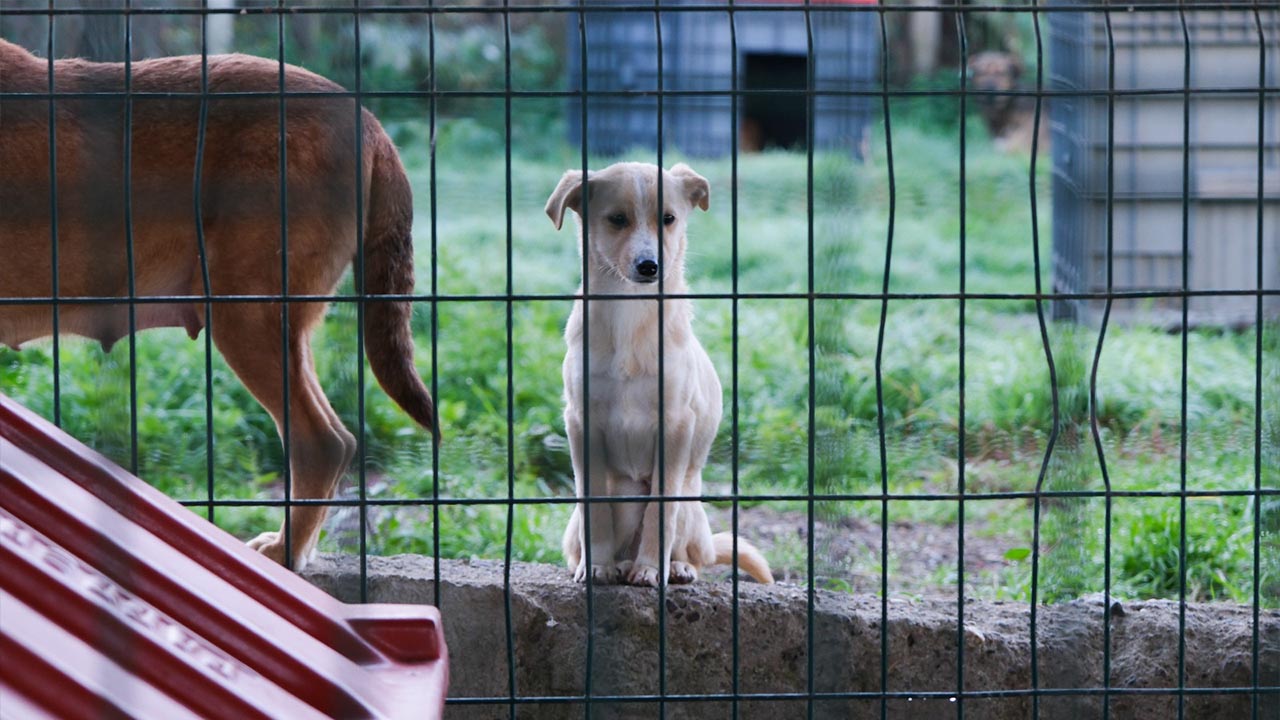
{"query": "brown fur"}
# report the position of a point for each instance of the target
(1009, 118)
(240, 204)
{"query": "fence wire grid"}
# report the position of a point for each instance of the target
(1095, 278)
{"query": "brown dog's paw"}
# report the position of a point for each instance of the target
(272, 544)
(269, 544)
(682, 573)
(644, 575)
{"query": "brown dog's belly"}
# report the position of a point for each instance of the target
(104, 323)
(93, 268)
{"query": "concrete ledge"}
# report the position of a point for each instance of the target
(549, 617)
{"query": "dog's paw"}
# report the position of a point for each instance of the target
(272, 545)
(269, 544)
(604, 574)
(682, 573)
(644, 575)
(600, 574)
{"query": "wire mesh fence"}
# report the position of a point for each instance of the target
(983, 333)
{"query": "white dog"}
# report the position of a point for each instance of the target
(618, 453)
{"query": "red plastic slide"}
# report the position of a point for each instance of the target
(116, 602)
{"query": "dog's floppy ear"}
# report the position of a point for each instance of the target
(568, 194)
(696, 187)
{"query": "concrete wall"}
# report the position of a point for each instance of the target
(549, 617)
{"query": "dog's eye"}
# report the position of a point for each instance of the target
(618, 220)
(668, 219)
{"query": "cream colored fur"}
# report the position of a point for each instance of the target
(619, 452)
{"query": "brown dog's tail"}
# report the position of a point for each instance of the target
(388, 270)
(749, 558)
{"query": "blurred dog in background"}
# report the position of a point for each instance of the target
(1009, 118)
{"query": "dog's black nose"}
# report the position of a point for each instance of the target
(647, 268)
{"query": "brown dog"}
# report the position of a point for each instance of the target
(1009, 118)
(240, 211)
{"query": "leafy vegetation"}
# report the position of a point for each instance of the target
(758, 238)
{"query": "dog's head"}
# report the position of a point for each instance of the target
(995, 71)
(625, 221)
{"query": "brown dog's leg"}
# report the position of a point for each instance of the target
(319, 446)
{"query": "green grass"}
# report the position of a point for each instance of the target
(1008, 403)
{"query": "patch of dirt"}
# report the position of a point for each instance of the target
(922, 555)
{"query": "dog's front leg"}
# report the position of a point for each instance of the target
(653, 558)
(590, 473)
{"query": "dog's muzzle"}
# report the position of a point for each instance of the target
(646, 270)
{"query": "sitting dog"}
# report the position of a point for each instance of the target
(1009, 118)
(617, 453)
(97, 226)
